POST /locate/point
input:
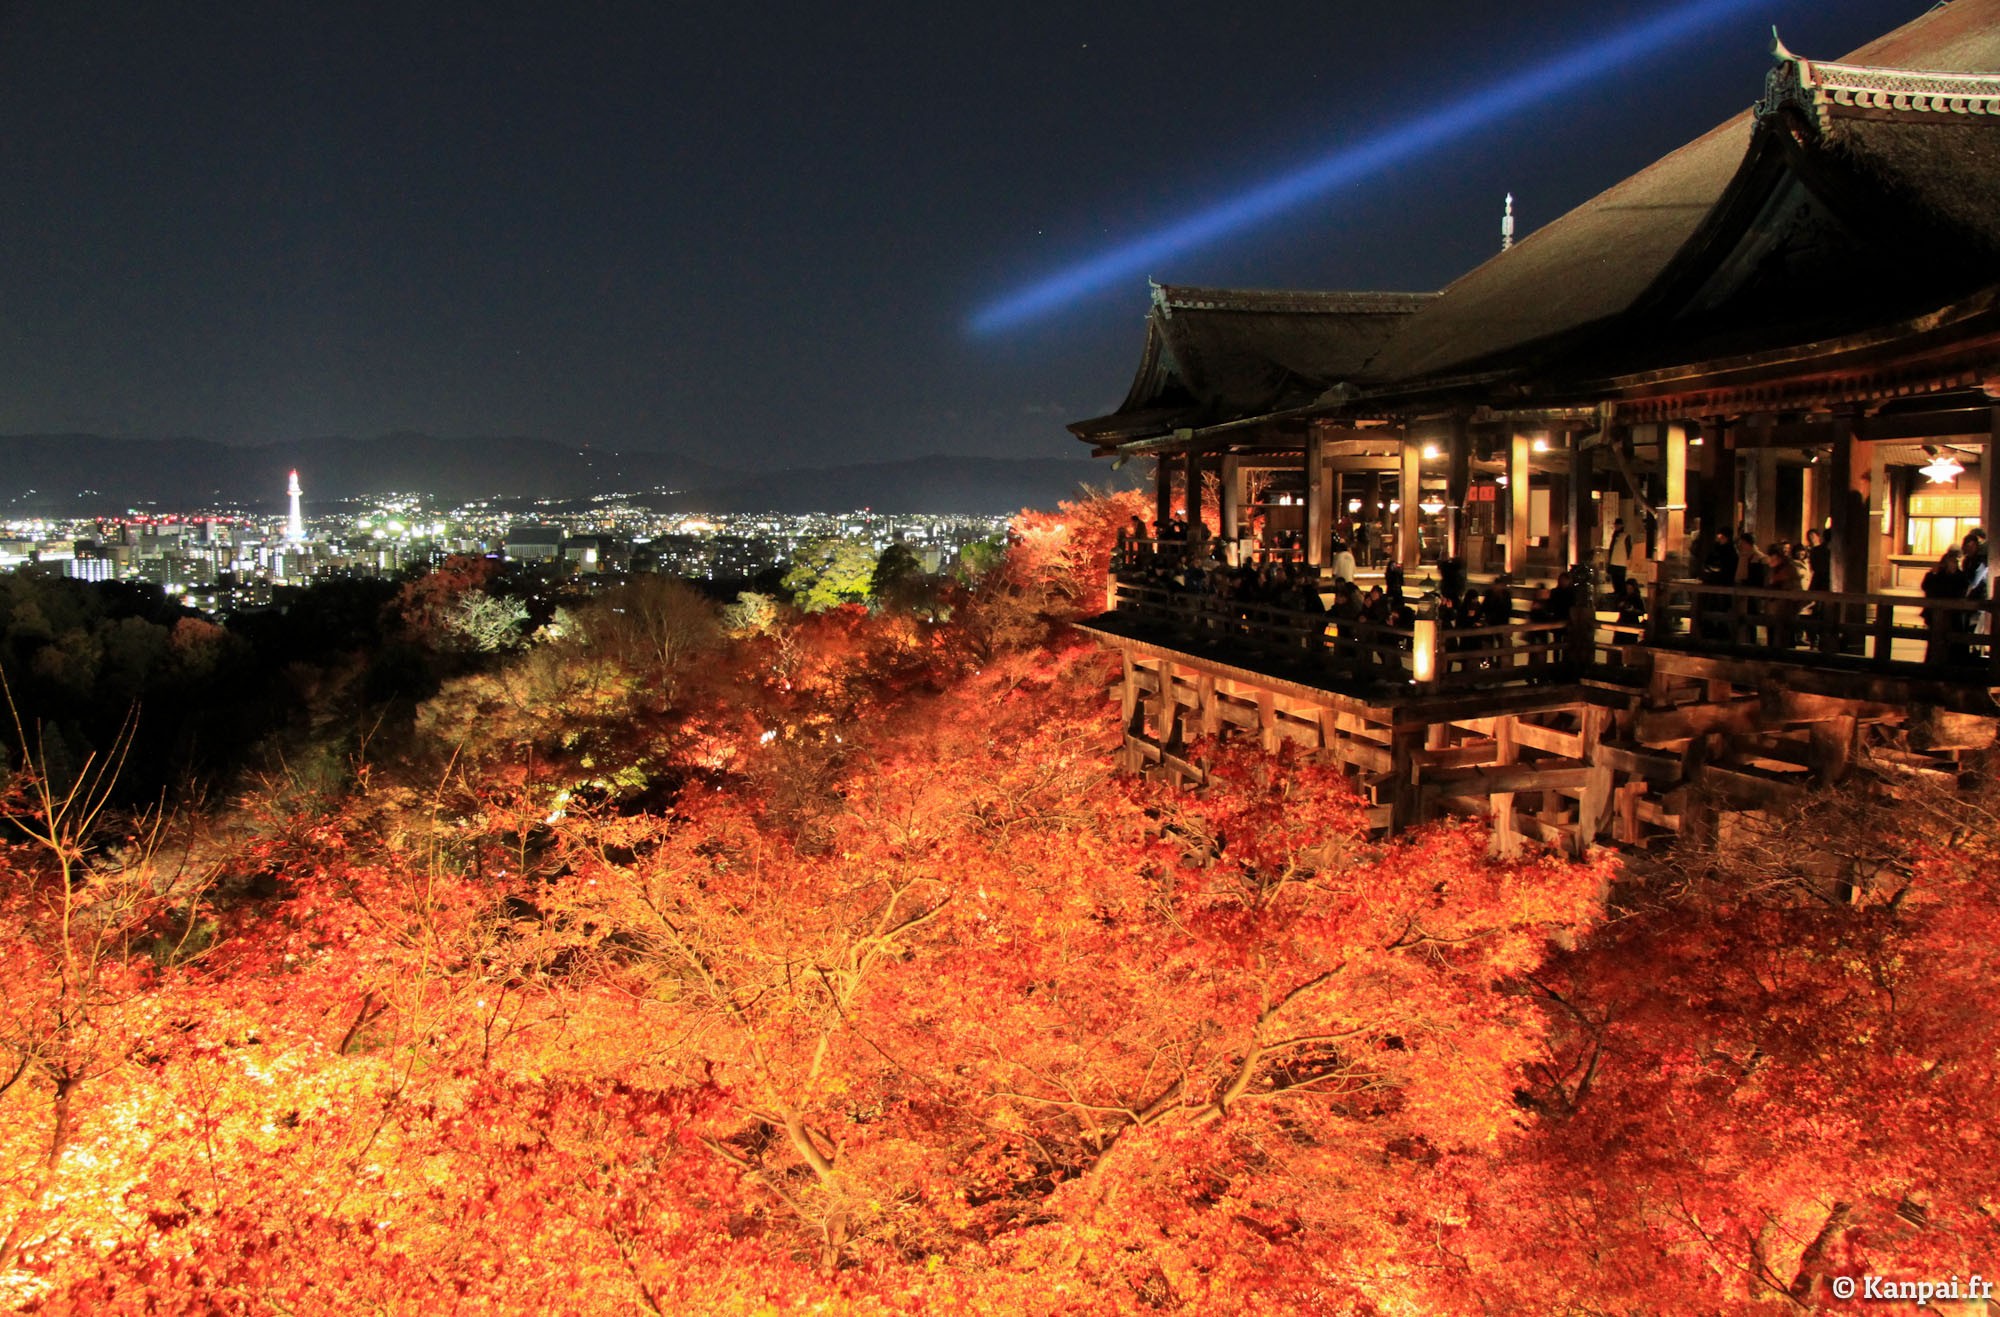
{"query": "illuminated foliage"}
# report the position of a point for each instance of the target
(827, 964)
(828, 573)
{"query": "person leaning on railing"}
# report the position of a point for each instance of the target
(1781, 573)
(1631, 604)
(1945, 580)
(1976, 576)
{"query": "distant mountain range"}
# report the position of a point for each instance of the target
(87, 475)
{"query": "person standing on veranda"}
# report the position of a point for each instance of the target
(1618, 555)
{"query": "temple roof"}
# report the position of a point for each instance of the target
(1908, 119)
(1217, 354)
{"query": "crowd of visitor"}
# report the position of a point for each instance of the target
(1753, 595)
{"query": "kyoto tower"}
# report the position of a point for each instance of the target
(295, 522)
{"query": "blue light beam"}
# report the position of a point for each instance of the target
(1353, 163)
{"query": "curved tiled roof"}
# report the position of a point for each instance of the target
(1215, 354)
(1587, 267)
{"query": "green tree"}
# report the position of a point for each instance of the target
(828, 573)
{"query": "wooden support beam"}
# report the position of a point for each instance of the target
(1458, 484)
(1750, 789)
(1267, 719)
(1594, 807)
(1163, 492)
(1833, 744)
(1626, 831)
(1764, 520)
(1362, 756)
(1402, 745)
(1527, 735)
(1195, 530)
(1479, 750)
(1410, 490)
(1317, 521)
(1206, 705)
(1989, 517)
(1506, 843)
(1519, 449)
(1657, 770)
(1232, 503)
(1237, 714)
(1652, 726)
(1849, 481)
(1543, 775)
(1671, 544)
(1940, 729)
(1553, 834)
(1580, 533)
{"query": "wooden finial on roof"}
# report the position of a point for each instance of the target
(1507, 225)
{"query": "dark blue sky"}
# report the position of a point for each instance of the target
(751, 232)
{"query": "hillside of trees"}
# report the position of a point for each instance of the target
(679, 957)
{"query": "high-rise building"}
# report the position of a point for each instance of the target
(295, 522)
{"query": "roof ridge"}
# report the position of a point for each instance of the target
(1185, 297)
(1820, 89)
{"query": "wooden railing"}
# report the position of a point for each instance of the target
(1882, 632)
(1951, 639)
(1318, 644)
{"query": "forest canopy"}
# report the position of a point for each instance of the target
(767, 958)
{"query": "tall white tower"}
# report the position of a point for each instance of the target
(295, 522)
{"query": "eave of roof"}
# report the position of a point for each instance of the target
(1575, 275)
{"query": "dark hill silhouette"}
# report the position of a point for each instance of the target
(88, 475)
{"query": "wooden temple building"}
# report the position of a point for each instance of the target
(1790, 325)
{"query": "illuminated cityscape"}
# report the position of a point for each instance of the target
(228, 558)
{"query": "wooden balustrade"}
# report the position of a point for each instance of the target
(1950, 638)
(1423, 655)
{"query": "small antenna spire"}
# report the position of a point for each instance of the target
(1507, 225)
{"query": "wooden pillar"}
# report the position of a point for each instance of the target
(1812, 499)
(1580, 535)
(1764, 525)
(1594, 809)
(1457, 485)
(1506, 838)
(1715, 461)
(1194, 526)
(1316, 518)
(1672, 545)
(1989, 505)
(1517, 502)
(1881, 519)
(1267, 721)
(1163, 491)
(1404, 742)
(1848, 509)
(1410, 490)
(1232, 505)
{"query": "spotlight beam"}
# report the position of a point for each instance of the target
(1352, 163)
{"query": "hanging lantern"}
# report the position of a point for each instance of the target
(1943, 468)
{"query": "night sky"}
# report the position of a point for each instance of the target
(754, 233)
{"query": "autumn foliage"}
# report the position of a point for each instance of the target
(826, 964)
